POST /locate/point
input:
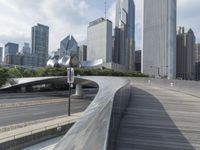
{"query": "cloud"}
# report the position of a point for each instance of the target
(72, 17)
(189, 15)
(111, 13)
(63, 17)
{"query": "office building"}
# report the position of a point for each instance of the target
(1, 54)
(99, 40)
(197, 59)
(83, 53)
(30, 60)
(11, 49)
(68, 46)
(197, 70)
(40, 43)
(26, 48)
(138, 56)
(124, 48)
(13, 59)
(159, 38)
(186, 49)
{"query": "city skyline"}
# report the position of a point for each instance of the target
(15, 22)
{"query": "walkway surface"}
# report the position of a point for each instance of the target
(160, 119)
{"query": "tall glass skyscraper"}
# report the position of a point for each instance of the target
(40, 43)
(11, 49)
(159, 38)
(124, 47)
(185, 60)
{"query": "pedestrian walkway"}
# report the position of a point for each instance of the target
(160, 119)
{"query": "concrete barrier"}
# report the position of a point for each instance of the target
(98, 122)
(26, 141)
(188, 87)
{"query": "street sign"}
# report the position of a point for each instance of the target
(70, 75)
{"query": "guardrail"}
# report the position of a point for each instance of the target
(92, 131)
(28, 133)
(183, 86)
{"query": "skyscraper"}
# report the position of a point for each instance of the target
(99, 40)
(40, 43)
(138, 56)
(11, 49)
(197, 52)
(159, 38)
(83, 53)
(1, 54)
(197, 69)
(26, 48)
(124, 48)
(68, 46)
(185, 54)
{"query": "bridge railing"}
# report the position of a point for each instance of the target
(97, 126)
(184, 86)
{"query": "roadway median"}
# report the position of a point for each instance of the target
(36, 133)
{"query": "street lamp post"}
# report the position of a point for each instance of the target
(69, 102)
(70, 80)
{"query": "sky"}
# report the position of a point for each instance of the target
(66, 17)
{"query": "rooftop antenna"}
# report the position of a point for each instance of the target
(105, 2)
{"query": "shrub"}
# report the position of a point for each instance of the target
(3, 76)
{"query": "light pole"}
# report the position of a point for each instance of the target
(70, 80)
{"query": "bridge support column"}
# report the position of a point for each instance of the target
(79, 92)
(23, 89)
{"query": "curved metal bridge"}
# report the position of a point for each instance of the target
(134, 114)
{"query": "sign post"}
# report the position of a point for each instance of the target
(70, 81)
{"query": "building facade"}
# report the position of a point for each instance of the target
(68, 46)
(99, 40)
(1, 54)
(186, 49)
(197, 52)
(29, 60)
(11, 49)
(83, 53)
(138, 56)
(13, 59)
(159, 38)
(40, 43)
(124, 45)
(26, 48)
(197, 70)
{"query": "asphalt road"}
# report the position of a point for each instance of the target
(20, 114)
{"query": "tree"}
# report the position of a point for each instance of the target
(3, 76)
(14, 73)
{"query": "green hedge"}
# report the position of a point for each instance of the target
(17, 72)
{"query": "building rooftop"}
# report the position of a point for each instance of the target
(97, 21)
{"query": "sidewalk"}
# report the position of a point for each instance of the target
(32, 129)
